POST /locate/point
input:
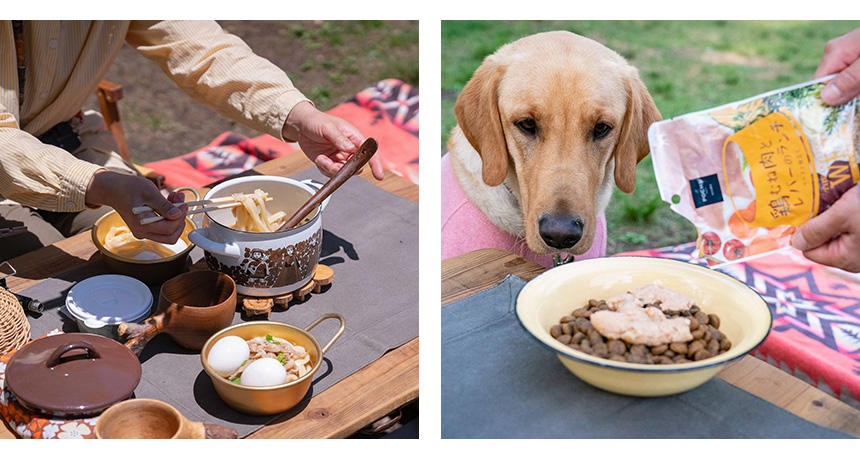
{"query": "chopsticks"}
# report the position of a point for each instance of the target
(224, 202)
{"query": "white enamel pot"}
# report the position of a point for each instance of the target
(263, 264)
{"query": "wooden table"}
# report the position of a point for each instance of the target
(473, 272)
(342, 409)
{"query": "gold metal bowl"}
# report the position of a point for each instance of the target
(276, 398)
(744, 318)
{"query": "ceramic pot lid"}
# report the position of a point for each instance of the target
(109, 299)
(72, 374)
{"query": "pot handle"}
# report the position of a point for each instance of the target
(336, 334)
(198, 237)
(192, 190)
(54, 360)
(316, 186)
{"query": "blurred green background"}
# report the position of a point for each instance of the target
(686, 65)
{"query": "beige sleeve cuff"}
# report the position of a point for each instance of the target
(281, 110)
(73, 186)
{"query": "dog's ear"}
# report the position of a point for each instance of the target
(477, 112)
(632, 145)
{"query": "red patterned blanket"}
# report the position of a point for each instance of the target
(387, 111)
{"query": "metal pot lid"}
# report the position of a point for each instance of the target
(72, 374)
(109, 299)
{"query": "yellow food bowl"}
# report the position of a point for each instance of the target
(276, 398)
(149, 271)
(744, 318)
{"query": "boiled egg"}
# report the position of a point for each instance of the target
(227, 354)
(264, 372)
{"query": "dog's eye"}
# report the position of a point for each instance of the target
(527, 126)
(601, 130)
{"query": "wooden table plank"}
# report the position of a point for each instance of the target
(354, 402)
(473, 272)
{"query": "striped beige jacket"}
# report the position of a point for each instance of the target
(65, 60)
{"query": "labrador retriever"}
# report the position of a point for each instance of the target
(545, 126)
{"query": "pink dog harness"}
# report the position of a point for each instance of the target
(465, 228)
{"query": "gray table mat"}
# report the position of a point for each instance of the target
(370, 240)
(499, 382)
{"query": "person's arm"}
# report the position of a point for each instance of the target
(220, 71)
(39, 175)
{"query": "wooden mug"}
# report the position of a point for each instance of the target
(191, 307)
(154, 419)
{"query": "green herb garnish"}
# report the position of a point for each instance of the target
(235, 379)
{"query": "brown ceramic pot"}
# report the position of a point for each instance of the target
(191, 307)
(72, 375)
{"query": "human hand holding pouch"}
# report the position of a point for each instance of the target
(747, 173)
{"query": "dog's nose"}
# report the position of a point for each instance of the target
(560, 231)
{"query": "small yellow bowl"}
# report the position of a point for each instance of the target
(273, 399)
(153, 271)
(744, 318)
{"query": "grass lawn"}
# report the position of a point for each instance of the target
(686, 65)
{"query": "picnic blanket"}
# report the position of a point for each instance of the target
(816, 316)
(386, 111)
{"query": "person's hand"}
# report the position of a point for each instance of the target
(124, 192)
(833, 237)
(842, 54)
(327, 140)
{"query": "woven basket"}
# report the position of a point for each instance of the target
(14, 327)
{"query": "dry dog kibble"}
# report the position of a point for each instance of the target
(714, 320)
(583, 325)
(714, 346)
(616, 347)
(600, 349)
(694, 347)
(659, 349)
(586, 347)
(702, 317)
(702, 354)
(577, 332)
(582, 313)
(566, 329)
(679, 348)
(694, 324)
(715, 333)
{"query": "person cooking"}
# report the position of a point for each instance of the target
(58, 168)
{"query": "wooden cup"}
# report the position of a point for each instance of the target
(154, 419)
(191, 307)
